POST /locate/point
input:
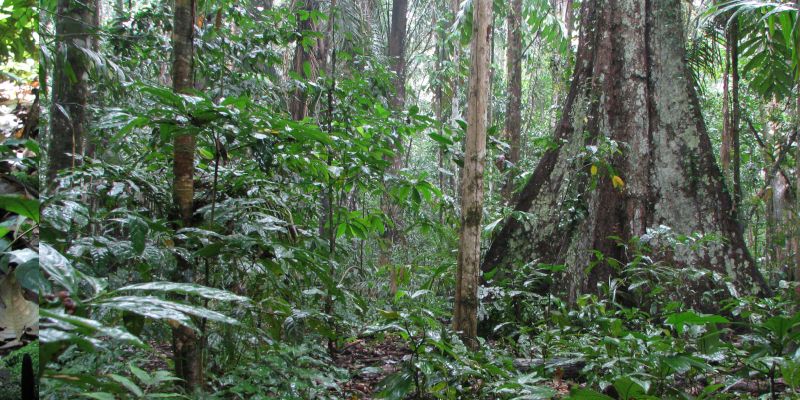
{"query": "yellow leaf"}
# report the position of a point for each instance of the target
(617, 182)
(593, 170)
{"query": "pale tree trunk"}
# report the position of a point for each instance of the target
(185, 341)
(513, 112)
(397, 62)
(631, 85)
(68, 116)
(465, 310)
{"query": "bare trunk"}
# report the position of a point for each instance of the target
(397, 60)
(68, 116)
(733, 39)
(186, 344)
(727, 143)
(397, 50)
(514, 73)
(298, 102)
(631, 87)
(465, 319)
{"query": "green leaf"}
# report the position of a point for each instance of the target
(307, 69)
(440, 138)
(396, 386)
(153, 307)
(187, 288)
(19, 205)
(99, 396)
(128, 384)
(30, 276)
(88, 326)
(691, 318)
(587, 394)
(57, 267)
(138, 232)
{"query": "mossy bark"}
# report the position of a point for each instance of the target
(631, 87)
(68, 114)
(465, 318)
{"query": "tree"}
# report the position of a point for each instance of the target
(397, 61)
(631, 153)
(68, 116)
(465, 318)
(303, 62)
(513, 112)
(185, 342)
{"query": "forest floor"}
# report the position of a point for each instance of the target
(369, 362)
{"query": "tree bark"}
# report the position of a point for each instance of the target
(727, 143)
(631, 87)
(513, 112)
(68, 116)
(298, 102)
(186, 344)
(397, 61)
(469, 250)
(733, 39)
(397, 50)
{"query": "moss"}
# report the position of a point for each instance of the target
(11, 370)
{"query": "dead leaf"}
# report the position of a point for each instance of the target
(16, 313)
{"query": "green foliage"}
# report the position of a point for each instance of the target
(19, 25)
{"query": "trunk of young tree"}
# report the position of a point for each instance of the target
(397, 62)
(185, 342)
(465, 310)
(726, 142)
(298, 101)
(630, 86)
(733, 39)
(70, 90)
(513, 112)
(455, 106)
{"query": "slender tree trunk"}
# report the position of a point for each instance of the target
(513, 112)
(465, 318)
(298, 102)
(186, 344)
(68, 116)
(733, 39)
(397, 61)
(727, 143)
(631, 87)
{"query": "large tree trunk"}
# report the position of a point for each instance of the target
(185, 343)
(465, 310)
(631, 87)
(397, 50)
(513, 112)
(397, 62)
(68, 116)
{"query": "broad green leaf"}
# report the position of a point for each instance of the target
(91, 327)
(187, 288)
(57, 267)
(128, 384)
(138, 232)
(156, 308)
(19, 205)
(691, 318)
(587, 394)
